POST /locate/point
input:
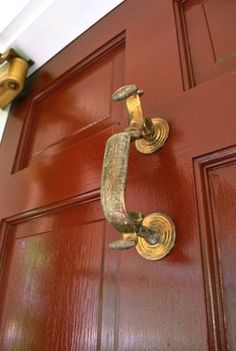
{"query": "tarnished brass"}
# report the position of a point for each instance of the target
(153, 140)
(113, 186)
(144, 233)
(164, 225)
(150, 134)
(13, 70)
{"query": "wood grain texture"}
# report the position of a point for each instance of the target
(88, 297)
(51, 272)
(221, 20)
(183, 46)
(154, 58)
(215, 190)
(209, 27)
(70, 105)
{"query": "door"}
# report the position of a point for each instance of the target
(62, 288)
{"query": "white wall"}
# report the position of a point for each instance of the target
(40, 29)
(3, 120)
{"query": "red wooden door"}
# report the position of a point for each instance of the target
(61, 287)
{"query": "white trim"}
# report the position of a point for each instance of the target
(45, 27)
(40, 29)
(3, 120)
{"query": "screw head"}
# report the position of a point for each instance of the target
(13, 85)
(125, 92)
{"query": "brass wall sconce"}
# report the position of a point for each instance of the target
(152, 235)
(13, 72)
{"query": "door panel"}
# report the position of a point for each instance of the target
(215, 187)
(75, 106)
(76, 293)
(208, 28)
(222, 186)
(55, 264)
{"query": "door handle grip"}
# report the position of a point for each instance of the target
(153, 235)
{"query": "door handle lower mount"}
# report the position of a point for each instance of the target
(152, 235)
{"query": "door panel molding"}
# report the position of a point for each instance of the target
(40, 244)
(211, 246)
(108, 63)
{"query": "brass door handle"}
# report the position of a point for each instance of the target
(154, 234)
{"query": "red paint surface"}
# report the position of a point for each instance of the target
(62, 288)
